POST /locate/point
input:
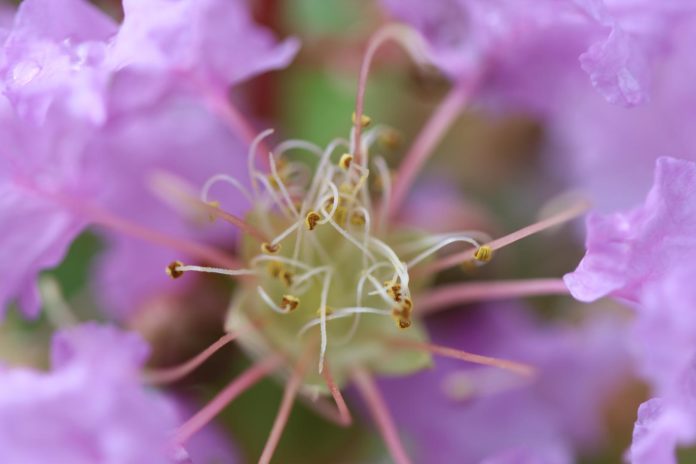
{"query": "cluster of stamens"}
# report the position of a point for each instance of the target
(331, 245)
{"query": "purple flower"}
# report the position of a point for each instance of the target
(544, 418)
(55, 54)
(94, 118)
(517, 44)
(214, 41)
(90, 408)
(626, 251)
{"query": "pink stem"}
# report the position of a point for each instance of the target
(520, 368)
(442, 297)
(368, 389)
(172, 374)
(345, 418)
(289, 394)
(426, 141)
(222, 399)
(501, 242)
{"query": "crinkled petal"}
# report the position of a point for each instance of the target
(627, 250)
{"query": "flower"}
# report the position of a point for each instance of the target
(90, 408)
(626, 251)
(646, 256)
(89, 125)
(616, 46)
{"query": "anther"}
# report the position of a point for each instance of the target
(289, 303)
(270, 248)
(483, 254)
(275, 268)
(311, 220)
(345, 161)
(357, 218)
(286, 277)
(329, 311)
(173, 270)
(341, 215)
(365, 120)
(390, 139)
(402, 313)
(393, 290)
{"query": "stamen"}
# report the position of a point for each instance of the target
(435, 248)
(444, 297)
(177, 269)
(205, 191)
(412, 42)
(270, 248)
(285, 305)
(519, 368)
(289, 303)
(225, 397)
(483, 254)
(311, 220)
(345, 161)
(345, 418)
(322, 317)
(455, 259)
(291, 389)
(370, 392)
(342, 313)
(172, 374)
(251, 157)
(365, 120)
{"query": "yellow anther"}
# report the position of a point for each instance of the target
(286, 277)
(341, 215)
(273, 182)
(402, 313)
(270, 248)
(311, 220)
(358, 218)
(390, 139)
(173, 270)
(365, 120)
(483, 254)
(329, 311)
(344, 162)
(289, 303)
(275, 268)
(393, 290)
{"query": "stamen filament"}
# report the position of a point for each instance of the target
(225, 397)
(435, 248)
(443, 297)
(519, 368)
(172, 374)
(215, 270)
(291, 388)
(341, 313)
(345, 417)
(458, 258)
(205, 191)
(411, 41)
(385, 424)
(252, 156)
